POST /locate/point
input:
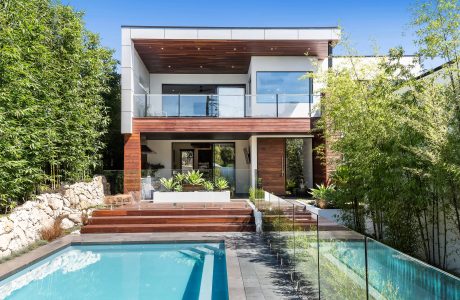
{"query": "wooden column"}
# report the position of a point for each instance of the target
(132, 163)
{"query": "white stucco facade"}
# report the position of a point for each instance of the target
(136, 79)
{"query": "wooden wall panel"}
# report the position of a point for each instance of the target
(251, 125)
(271, 164)
(132, 163)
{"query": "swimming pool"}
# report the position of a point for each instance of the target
(124, 271)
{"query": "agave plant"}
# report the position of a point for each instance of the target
(180, 178)
(168, 184)
(194, 177)
(221, 183)
(208, 186)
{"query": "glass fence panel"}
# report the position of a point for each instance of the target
(226, 106)
(342, 267)
(306, 253)
(161, 180)
(394, 275)
(270, 216)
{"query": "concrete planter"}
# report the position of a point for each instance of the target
(332, 214)
(184, 197)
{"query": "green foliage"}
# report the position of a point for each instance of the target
(52, 113)
(294, 160)
(194, 177)
(256, 194)
(169, 184)
(323, 192)
(221, 183)
(180, 178)
(208, 186)
(399, 137)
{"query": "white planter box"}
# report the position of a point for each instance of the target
(184, 197)
(331, 214)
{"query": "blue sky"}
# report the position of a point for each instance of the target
(368, 22)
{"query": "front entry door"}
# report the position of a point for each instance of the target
(271, 165)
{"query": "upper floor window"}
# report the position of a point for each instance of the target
(287, 86)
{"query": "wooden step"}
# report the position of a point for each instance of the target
(170, 220)
(137, 228)
(170, 212)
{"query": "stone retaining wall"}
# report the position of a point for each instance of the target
(22, 227)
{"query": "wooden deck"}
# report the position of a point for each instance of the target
(180, 217)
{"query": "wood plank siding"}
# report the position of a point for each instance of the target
(271, 164)
(132, 163)
(249, 125)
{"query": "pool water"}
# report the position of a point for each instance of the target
(395, 275)
(124, 271)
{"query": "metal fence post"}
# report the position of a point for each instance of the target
(277, 113)
(145, 105)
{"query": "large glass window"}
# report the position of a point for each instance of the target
(289, 86)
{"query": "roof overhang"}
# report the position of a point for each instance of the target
(223, 50)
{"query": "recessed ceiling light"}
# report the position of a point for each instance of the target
(162, 48)
(169, 66)
(199, 48)
(308, 48)
(234, 49)
(233, 67)
(201, 67)
(271, 49)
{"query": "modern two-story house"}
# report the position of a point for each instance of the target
(225, 101)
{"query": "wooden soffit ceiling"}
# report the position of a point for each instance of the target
(218, 56)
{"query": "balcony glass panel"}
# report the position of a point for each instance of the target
(229, 103)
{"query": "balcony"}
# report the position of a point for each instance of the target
(226, 106)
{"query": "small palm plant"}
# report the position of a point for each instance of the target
(221, 183)
(194, 177)
(208, 186)
(322, 195)
(169, 184)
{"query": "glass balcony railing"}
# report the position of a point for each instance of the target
(325, 260)
(226, 106)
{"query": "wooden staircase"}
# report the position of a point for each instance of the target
(191, 218)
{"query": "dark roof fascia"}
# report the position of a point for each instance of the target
(434, 70)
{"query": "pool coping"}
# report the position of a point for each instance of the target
(234, 277)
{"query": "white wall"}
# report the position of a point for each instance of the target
(279, 63)
(163, 155)
(134, 80)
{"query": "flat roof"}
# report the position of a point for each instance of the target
(230, 27)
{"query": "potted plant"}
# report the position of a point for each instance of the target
(323, 195)
(194, 181)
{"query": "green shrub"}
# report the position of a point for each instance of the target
(169, 184)
(256, 194)
(221, 183)
(208, 186)
(194, 177)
